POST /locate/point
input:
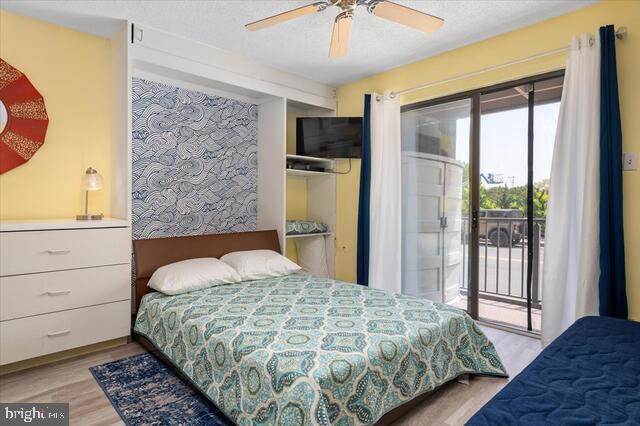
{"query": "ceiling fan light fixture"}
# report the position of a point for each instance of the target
(342, 25)
(341, 34)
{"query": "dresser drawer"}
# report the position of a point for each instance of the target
(30, 337)
(41, 251)
(35, 294)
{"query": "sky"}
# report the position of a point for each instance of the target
(503, 143)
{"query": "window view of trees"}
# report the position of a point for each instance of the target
(503, 196)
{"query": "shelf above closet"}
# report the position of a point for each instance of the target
(303, 158)
(327, 165)
(306, 173)
(315, 234)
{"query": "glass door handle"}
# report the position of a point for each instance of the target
(444, 222)
(474, 219)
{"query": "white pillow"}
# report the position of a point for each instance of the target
(193, 274)
(259, 264)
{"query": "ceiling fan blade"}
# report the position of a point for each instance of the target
(406, 16)
(286, 16)
(340, 35)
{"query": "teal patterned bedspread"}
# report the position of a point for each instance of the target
(305, 350)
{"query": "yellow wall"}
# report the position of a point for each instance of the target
(550, 34)
(291, 131)
(72, 71)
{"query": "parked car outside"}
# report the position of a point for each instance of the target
(497, 232)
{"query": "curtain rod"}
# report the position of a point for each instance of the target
(621, 33)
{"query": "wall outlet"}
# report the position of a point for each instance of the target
(630, 161)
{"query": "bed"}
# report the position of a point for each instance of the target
(589, 375)
(300, 349)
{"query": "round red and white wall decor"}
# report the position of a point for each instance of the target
(23, 118)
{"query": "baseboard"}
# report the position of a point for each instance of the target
(59, 356)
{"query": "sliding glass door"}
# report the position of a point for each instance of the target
(503, 255)
(475, 171)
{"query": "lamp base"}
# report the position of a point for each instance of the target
(89, 216)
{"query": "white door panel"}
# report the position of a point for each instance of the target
(423, 202)
(452, 236)
(432, 223)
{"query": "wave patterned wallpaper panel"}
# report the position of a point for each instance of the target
(194, 162)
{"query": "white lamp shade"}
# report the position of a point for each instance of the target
(92, 180)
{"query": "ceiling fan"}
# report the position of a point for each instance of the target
(342, 25)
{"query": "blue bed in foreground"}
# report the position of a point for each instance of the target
(590, 375)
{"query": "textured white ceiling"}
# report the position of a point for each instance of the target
(301, 46)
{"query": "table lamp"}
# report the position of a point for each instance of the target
(91, 181)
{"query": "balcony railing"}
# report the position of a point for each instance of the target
(503, 260)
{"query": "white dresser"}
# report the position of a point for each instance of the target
(63, 285)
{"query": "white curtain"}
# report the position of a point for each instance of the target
(385, 233)
(571, 265)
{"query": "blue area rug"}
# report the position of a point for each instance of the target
(145, 391)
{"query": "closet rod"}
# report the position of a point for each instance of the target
(621, 33)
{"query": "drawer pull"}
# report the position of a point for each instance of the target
(59, 333)
(62, 251)
(58, 292)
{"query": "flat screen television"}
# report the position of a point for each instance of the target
(329, 137)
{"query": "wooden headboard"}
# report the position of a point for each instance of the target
(156, 252)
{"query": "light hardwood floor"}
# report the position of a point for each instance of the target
(455, 403)
(71, 381)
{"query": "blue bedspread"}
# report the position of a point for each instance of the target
(590, 375)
